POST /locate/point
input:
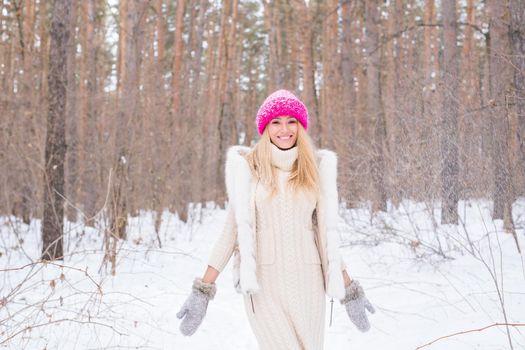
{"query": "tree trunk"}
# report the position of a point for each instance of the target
(158, 140)
(179, 122)
(227, 120)
(88, 113)
(395, 116)
(500, 82)
(195, 100)
(5, 60)
(71, 120)
(161, 35)
(329, 97)
(517, 37)
(449, 137)
(347, 69)
(309, 95)
(270, 23)
(28, 195)
(208, 130)
(374, 103)
(292, 75)
(122, 42)
(177, 61)
(126, 116)
(352, 15)
(430, 96)
(470, 132)
(53, 220)
(44, 54)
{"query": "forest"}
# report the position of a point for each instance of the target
(117, 113)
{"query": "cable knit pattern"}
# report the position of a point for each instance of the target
(241, 186)
(290, 307)
(284, 159)
(281, 103)
(225, 245)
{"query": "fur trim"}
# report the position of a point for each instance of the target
(208, 289)
(336, 283)
(239, 188)
(328, 182)
(329, 215)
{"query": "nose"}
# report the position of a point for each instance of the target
(284, 127)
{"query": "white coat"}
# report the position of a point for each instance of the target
(240, 187)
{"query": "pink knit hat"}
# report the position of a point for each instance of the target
(281, 103)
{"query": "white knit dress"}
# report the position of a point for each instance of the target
(289, 310)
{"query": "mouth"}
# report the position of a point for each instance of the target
(284, 138)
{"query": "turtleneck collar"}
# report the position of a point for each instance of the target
(284, 159)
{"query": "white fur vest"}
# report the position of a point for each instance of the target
(240, 187)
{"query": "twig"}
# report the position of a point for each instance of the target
(471, 331)
(44, 263)
(58, 321)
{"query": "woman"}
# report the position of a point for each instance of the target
(281, 229)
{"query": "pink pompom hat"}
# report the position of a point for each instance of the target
(281, 103)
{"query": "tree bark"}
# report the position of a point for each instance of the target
(44, 54)
(177, 61)
(309, 94)
(71, 120)
(270, 23)
(27, 195)
(329, 94)
(430, 103)
(88, 113)
(182, 143)
(449, 137)
(195, 100)
(500, 82)
(126, 116)
(227, 120)
(517, 37)
(374, 104)
(347, 69)
(53, 220)
(161, 35)
(469, 131)
(208, 127)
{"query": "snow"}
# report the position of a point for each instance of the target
(426, 281)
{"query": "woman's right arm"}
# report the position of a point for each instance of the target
(223, 248)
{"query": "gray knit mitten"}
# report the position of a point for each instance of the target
(195, 306)
(355, 303)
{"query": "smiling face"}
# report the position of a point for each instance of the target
(283, 131)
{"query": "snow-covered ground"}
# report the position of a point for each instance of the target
(426, 281)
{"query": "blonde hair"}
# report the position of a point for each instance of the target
(304, 174)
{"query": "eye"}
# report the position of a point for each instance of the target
(292, 121)
(275, 121)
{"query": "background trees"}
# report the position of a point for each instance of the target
(55, 147)
(156, 91)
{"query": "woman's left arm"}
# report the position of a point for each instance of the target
(347, 278)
